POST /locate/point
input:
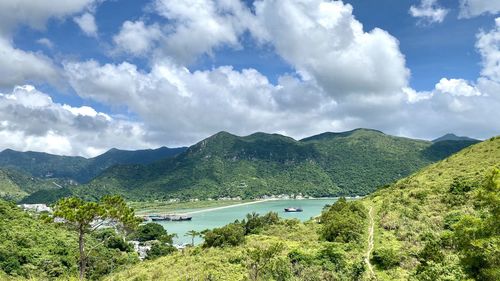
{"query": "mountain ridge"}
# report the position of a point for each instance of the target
(349, 163)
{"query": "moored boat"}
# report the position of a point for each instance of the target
(170, 218)
(293, 210)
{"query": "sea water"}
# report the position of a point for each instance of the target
(209, 219)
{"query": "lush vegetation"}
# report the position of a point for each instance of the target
(224, 165)
(442, 222)
(263, 247)
(15, 185)
(438, 224)
(31, 247)
(79, 169)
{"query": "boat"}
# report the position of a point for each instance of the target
(181, 218)
(293, 210)
(170, 218)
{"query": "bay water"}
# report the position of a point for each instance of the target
(217, 217)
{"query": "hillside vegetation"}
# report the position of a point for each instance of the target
(15, 185)
(438, 224)
(79, 169)
(330, 164)
(33, 249)
(442, 222)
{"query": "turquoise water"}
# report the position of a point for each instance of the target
(207, 219)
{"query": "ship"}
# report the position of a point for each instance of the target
(293, 210)
(170, 218)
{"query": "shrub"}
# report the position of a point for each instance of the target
(159, 249)
(232, 234)
(386, 258)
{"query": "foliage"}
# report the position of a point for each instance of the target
(86, 217)
(254, 223)
(478, 236)
(35, 249)
(344, 221)
(232, 234)
(224, 165)
(386, 257)
(151, 231)
(44, 165)
(442, 222)
(159, 249)
(262, 262)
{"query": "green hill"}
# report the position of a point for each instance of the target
(423, 218)
(79, 169)
(15, 185)
(440, 223)
(330, 164)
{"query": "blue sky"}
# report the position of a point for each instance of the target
(161, 72)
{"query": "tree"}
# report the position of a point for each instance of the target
(232, 234)
(152, 231)
(86, 217)
(193, 234)
(260, 261)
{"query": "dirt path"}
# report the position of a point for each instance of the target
(370, 245)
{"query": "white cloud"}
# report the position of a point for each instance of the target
(36, 13)
(346, 78)
(323, 41)
(428, 12)
(18, 66)
(30, 120)
(136, 38)
(45, 42)
(473, 8)
(199, 26)
(87, 24)
(488, 45)
(457, 87)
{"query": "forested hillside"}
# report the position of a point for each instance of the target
(15, 185)
(79, 169)
(438, 224)
(330, 164)
(442, 222)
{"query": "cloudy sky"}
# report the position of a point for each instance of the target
(79, 77)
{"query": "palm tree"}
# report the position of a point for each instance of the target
(193, 234)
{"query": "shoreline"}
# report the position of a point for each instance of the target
(204, 210)
(229, 206)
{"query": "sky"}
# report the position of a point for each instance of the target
(80, 77)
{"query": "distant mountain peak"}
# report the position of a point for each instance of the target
(453, 137)
(327, 135)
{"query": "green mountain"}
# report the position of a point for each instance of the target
(330, 164)
(79, 169)
(14, 185)
(440, 223)
(453, 137)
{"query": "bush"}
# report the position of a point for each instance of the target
(232, 234)
(159, 249)
(343, 222)
(152, 231)
(386, 258)
(254, 222)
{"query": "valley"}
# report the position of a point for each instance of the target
(389, 234)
